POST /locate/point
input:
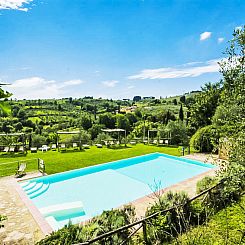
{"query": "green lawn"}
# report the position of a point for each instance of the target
(58, 162)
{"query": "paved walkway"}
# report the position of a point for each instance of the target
(21, 228)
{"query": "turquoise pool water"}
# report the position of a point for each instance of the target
(78, 195)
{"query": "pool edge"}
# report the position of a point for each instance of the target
(37, 216)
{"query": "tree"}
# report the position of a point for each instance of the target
(181, 113)
(108, 120)
(95, 130)
(38, 140)
(3, 106)
(132, 118)
(122, 122)
(182, 99)
(18, 126)
(204, 106)
(86, 122)
(174, 101)
(178, 132)
(136, 98)
(231, 112)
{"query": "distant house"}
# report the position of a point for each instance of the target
(129, 109)
(149, 98)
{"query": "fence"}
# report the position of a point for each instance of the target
(142, 223)
(10, 168)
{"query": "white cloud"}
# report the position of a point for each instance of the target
(131, 86)
(110, 84)
(193, 69)
(220, 39)
(14, 4)
(40, 88)
(73, 82)
(205, 35)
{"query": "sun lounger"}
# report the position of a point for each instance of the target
(85, 146)
(155, 142)
(6, 149)
(11, 149)
(21, 149)
(53, 147)
(62, 147)
(33, 149)
(160, 141)
(98, 145)
(75, 146)
(132, 142)
(44, 148)
(21, 169)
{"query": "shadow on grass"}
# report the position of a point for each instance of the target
(119, 147)
(12, 155)
(71, 151)
(167, 146)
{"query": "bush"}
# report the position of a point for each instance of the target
(38, 140)
(107, 221)
(205, 183)
(101, 137)
(166, 226)
(205, 139)
(178, 132)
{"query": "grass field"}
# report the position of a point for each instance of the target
(62, 161)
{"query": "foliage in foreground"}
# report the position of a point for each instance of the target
(226, 227)
(107, 221)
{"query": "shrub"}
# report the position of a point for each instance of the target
(205, 139)
(101, 137)
(178, 132)
(107, 221)
(38, 140)
(205, 183)
(166, 226)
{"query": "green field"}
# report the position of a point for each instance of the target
(62, 161)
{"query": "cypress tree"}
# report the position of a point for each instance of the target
(181, 113)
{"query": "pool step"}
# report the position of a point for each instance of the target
(62, 209)
(29, 186)
(24, 184)
(39, 191)
(34, 188)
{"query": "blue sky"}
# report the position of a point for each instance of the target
(113, 49)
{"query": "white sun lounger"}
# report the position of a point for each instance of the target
(21, 170)
(6, 149)
(33, 149)
(21, 149)
(11, 149)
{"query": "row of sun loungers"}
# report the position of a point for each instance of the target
(13, 149)
(62, 147)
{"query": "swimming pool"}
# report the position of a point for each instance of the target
(81, 194)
